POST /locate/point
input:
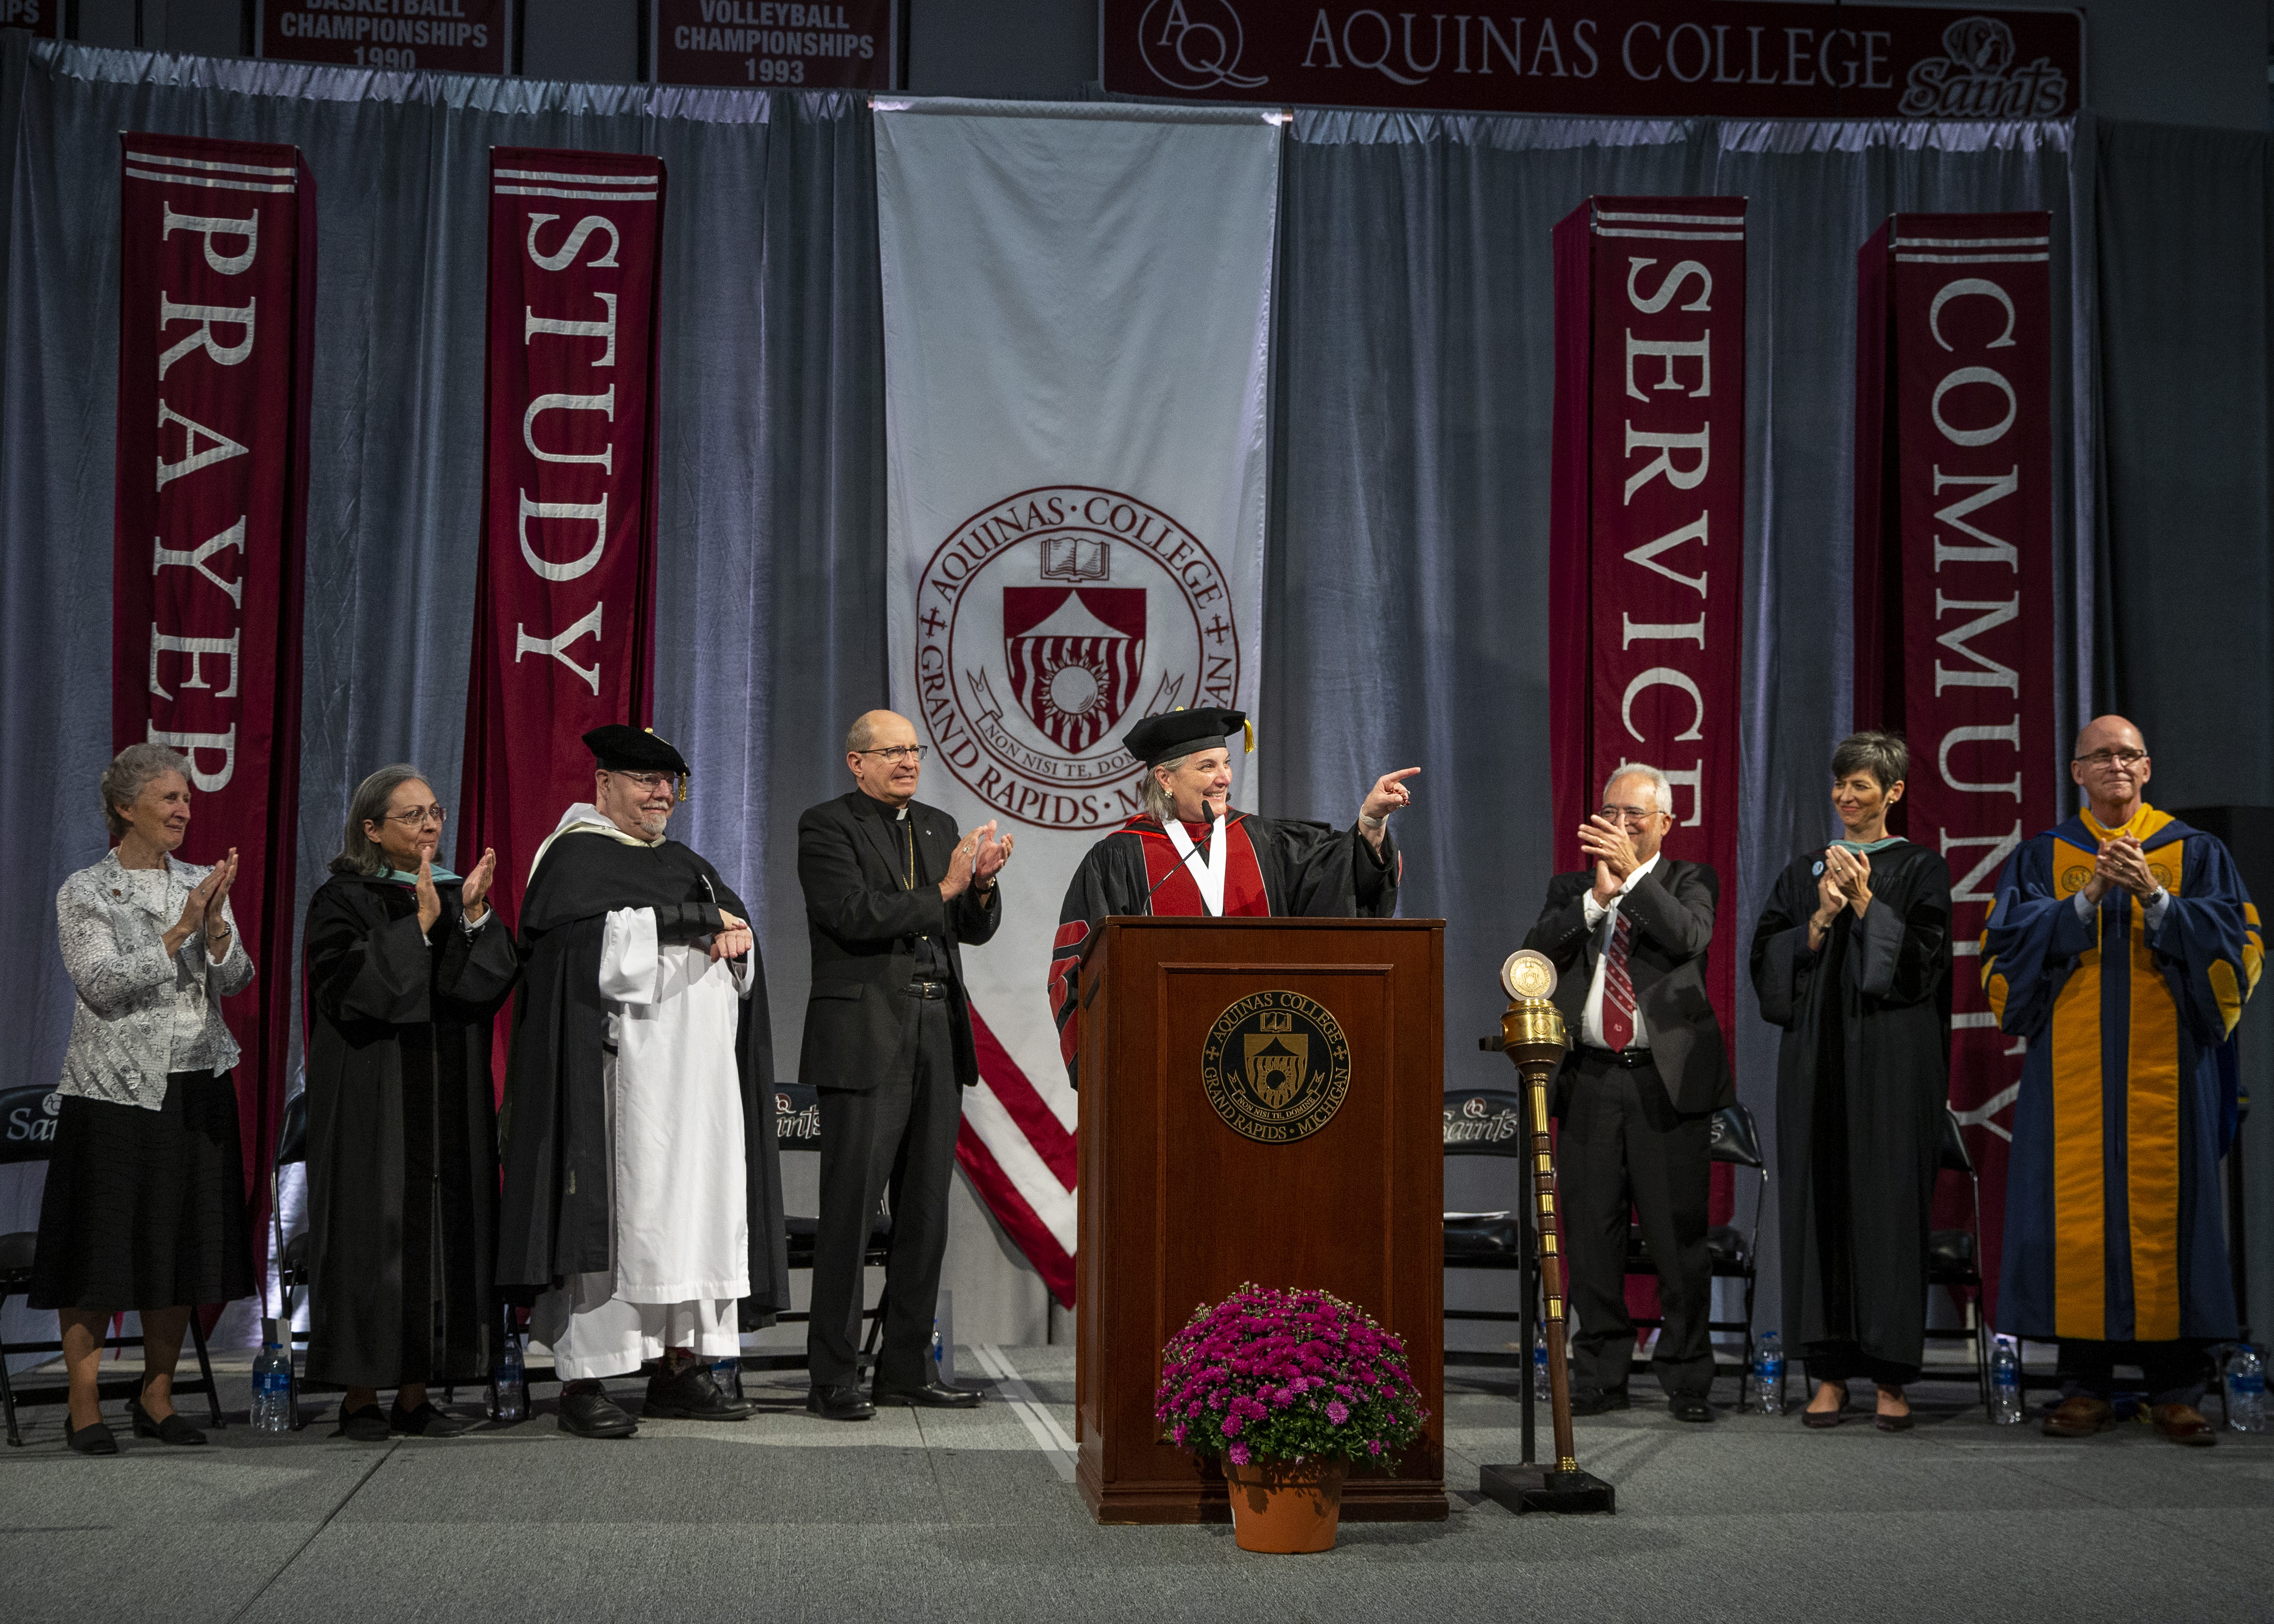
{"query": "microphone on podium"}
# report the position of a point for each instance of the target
(1211, 812)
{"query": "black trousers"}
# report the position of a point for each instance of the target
(897, 1137)
(1621, 1143)
(2173, 1372)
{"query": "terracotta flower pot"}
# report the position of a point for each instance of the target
(1285, 1506)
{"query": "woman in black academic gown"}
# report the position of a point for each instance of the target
(1852, 958)
(406, 966)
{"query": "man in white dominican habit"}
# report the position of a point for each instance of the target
(1190, 853)
(642, 1202)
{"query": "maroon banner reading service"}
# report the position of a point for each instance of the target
(216, 307)
(1954, 595)
(564, 603)
(445, 36)
(841, 45)
(1645, 58)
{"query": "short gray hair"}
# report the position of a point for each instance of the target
(359, 854)
(1158, 801)
(1659, 782)
(132, 772)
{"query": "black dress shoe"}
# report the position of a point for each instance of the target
(367, 1426)
(425, 1421)
(692, 1396)
(172, 1430)
(1600, 1402)
(839, 1403)
(594, 1415)
(931, 1395)
(1822, 1419)
(94, 1438)
(1689, 1407)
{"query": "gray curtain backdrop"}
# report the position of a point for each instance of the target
(1404, 619)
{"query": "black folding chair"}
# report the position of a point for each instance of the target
(1489, 1122)
(797, 1127)
(1954, 1257)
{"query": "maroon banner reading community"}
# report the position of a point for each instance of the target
(216, 307)
(1954, 594)
(564, 603)
(1732, 58)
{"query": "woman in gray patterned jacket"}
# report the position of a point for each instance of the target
(145, 1200)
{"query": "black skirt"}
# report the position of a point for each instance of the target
(144, 1209)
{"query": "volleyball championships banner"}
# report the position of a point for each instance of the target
(1954, 594)
(1076, 477)
(217, 291)
(1646, 515)
(564, 606)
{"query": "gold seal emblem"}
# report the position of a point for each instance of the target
(1276, 1066)
(1528, 973)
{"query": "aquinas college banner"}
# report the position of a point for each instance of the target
(1954, 591)
(1077, 310)
(564, 605)
(217, 283)
(1646, 515)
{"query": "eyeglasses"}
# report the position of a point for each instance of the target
(2112, 758)
(1633, 817)
(649, 781)
(410, 818)
(897, 753)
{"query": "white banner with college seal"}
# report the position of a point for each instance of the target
(1077, 322)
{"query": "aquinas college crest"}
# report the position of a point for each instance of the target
(1276, 1066)
(1047, 621)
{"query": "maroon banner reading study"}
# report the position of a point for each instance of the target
(1954, 594)
(565, 600)
(217, 282)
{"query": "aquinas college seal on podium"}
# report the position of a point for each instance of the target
(1276, 1066)
(1044, 621)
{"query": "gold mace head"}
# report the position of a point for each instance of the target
(1532, 1031)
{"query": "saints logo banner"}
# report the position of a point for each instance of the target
(1954, 594)
(217, 296)
(1077, 318)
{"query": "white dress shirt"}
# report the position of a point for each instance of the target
(1590, 1017)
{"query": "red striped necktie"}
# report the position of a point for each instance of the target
(1618, 1012)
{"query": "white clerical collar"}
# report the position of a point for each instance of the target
(1210, 875)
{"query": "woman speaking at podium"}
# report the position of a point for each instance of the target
(1189, 854)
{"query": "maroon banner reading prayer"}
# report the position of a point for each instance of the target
(1731, 58)
(216, 306)
(1954, 594)
(843, 45)
(448, 36)
(564, 607)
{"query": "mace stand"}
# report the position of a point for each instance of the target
(1532, 1036)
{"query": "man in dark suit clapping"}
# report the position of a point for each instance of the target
(1637, 1095)
(892, 894)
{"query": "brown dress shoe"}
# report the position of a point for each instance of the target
(2081, 1417)
(2183, 1423)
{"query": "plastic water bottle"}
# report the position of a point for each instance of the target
(2006, 1384)
(1542, 1389)
(272, 1383)
(937, 1352)
(2246, 1391)
(1768, 1373)
(508, 1395)
(727, 1376)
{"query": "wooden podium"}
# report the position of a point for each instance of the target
(1322, 1167)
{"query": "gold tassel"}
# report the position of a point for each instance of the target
(1248, 728)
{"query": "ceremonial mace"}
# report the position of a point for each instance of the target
(1532, 1036)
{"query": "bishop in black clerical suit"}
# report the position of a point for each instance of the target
(892, 895)
(1852, 958)
(1189, 854)
(642, 1190)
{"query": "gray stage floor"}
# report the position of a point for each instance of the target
(970, 1516)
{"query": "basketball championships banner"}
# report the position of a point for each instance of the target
(1954, 593)
(1646, 513)
(564, 607)
(217, 293)
(1077, 460)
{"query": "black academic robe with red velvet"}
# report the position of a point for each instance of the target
(1284, 867)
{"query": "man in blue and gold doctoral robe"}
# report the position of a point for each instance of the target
(2121, 946)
